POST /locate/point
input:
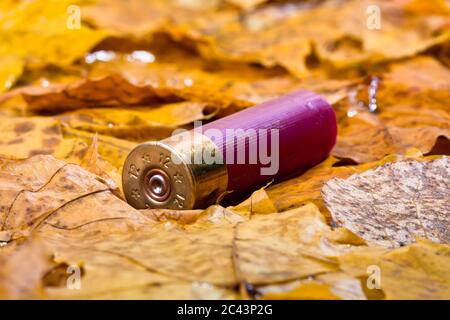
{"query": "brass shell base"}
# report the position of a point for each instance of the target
(193, 183)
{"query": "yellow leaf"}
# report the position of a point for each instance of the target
(411, 113)
(419, 271)
(306, 187)
(110, 149)
(17, 280)
(307, 291)
(336, 32)
(37, 33)
(10, 72)
(286, 246)
(137, 123)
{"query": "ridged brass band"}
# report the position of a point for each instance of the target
(194, 182)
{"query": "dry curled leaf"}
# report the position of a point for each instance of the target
(306, 187)
(67, 210)
(335, 31)
(111, 149)
(57, 43)
(258, 203)
(143, 17)
(142, 77)
(17, 279)
(31, 207)
(24, 137)
(137, 123)
(412, 112)
(418, 271)
(287, 245)
(218, 247)
(328, 286)
(394, 203)
(92, 162)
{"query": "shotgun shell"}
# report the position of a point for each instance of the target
(192, 169)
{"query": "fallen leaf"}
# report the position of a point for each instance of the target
(247, 4)
(17, 279)
(328, 286)
(313, 291)
(58, 43)
(394, 203)
(24, 137)
(143, 17)
(112, 150)
(218, 246)
(92, 162)
(69, 206)
(336, 31)
(66, 184)
(258, 203)
(110, 90)
(411, 113)
(138, 124)
(306, 187)
(418, 271)
(142, 77)
(288, 245)
(10, 72)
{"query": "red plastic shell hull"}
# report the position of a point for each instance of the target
(307, 129)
